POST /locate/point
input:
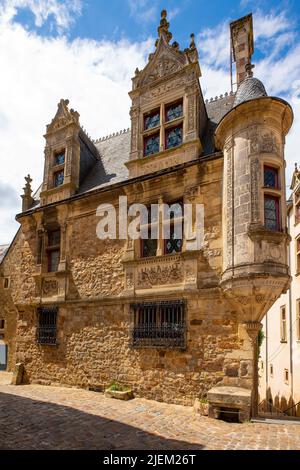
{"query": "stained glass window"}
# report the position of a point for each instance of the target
(58, 178)
(272, 213)
(174, 243)
(151, 145)
(174, 111)
(173, 137)
(152, 120)
(270, 177)
(60, 158)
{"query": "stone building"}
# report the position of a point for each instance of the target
(279, 362)
(171, 319)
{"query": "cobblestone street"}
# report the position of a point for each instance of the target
(40, 417)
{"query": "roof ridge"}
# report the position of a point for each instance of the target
(221, 97)
(109, 136)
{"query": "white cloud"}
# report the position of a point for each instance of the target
(35, 73)
(63, 12)
(278, 65)
(96, 77)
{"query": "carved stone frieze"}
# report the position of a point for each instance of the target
(49, 287)
(161, 274)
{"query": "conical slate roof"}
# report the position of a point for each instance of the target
(249, 89)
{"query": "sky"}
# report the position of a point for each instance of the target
(87, 51)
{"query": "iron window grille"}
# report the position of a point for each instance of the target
(47, 326)
(159, 325)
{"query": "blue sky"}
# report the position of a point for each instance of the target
(87, 51)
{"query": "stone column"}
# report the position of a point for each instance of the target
(253, 328)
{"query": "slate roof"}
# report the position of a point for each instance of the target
(249, 89)
(3, 250)
(110, 167)
(105, 158)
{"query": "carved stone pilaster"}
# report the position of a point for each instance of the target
(253, 328)
(254, 183)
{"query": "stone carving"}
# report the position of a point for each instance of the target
(191, 193)
(229, 206)
(190, 274)
(164, 66)
(192, 113)
(254, 178)
(129, 281)
(160, 275)
(265, 143)
(50, 287)
(269, 143)
(162, 89)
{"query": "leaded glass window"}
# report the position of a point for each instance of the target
(53, 261)
(54, 238)
(53, 250)
(58, 178)
(60, 158)
(174, 243)
(152, 120)
(173, 137)
(270, 177)
(151, 145)
(174, 111)
(272, 213)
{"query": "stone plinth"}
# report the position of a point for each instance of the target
(222, 398)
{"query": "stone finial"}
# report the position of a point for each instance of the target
(175, 46)
(296, 167)
(27, 198)
(249, 72)
(163, 28)
(192, 43)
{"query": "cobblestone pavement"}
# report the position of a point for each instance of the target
(40, 417)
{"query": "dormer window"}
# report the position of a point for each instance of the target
(151, 144)
(59, 158)
(170, 135)
(173, 137)
(58, 178)
(174, 111)
(152, 120)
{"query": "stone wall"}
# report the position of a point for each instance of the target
(93, 350)
(95, 320)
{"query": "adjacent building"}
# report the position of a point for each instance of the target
(279, 362)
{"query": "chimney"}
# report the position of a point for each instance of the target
(241, 37)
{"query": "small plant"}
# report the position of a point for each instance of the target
(116, 387)
(260, 338)
(203, 400)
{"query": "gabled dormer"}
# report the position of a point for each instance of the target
(168, 111)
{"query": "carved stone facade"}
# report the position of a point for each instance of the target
(105, 295)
